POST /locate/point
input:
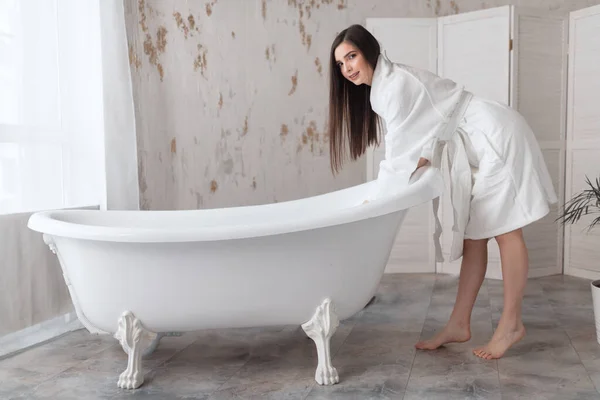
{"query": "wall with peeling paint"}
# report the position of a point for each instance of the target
(231, 95)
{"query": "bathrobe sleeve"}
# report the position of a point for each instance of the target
(418, 108)
(406, 140)
(394, 173)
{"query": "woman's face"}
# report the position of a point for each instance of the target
(352, 64)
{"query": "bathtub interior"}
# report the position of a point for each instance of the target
(424, 187)
(241, 215)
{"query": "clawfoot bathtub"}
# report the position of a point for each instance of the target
(310, 262)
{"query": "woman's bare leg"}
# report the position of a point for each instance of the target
(514, 258)
(472, 273)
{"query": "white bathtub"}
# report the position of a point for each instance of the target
(311, 262)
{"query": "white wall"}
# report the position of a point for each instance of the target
(32, 289)
(68, 128)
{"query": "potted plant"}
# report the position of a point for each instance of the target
(586, 202)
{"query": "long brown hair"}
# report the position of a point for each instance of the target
(351, 117)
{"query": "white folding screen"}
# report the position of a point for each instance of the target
(522, 64)
(506, 54)
(582, 248)
(539, 93)
(414, 252)
(474, 49)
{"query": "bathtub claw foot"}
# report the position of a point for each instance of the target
(130, 380)
(135, 340)
(320, 329)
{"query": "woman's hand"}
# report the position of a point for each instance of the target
(422, 162)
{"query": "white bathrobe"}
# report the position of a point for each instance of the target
(498, 177)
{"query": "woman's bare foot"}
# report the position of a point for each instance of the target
(450, 334)
(503, 338)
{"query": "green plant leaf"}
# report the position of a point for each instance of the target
(586, 202)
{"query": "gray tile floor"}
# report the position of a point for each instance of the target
(373, 352)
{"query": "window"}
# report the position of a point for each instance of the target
(51, 105)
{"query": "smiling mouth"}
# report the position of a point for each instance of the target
(354, 75)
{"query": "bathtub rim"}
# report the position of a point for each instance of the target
(427, 185)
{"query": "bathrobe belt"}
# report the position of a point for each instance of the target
(452, 144)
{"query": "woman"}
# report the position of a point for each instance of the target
(498, 177)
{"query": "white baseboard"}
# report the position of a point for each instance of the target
(582, 273)
(454, 270)
(36, 334)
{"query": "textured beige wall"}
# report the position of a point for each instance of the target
(231, 95)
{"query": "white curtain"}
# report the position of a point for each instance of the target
(67, 127)
(119, 119)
